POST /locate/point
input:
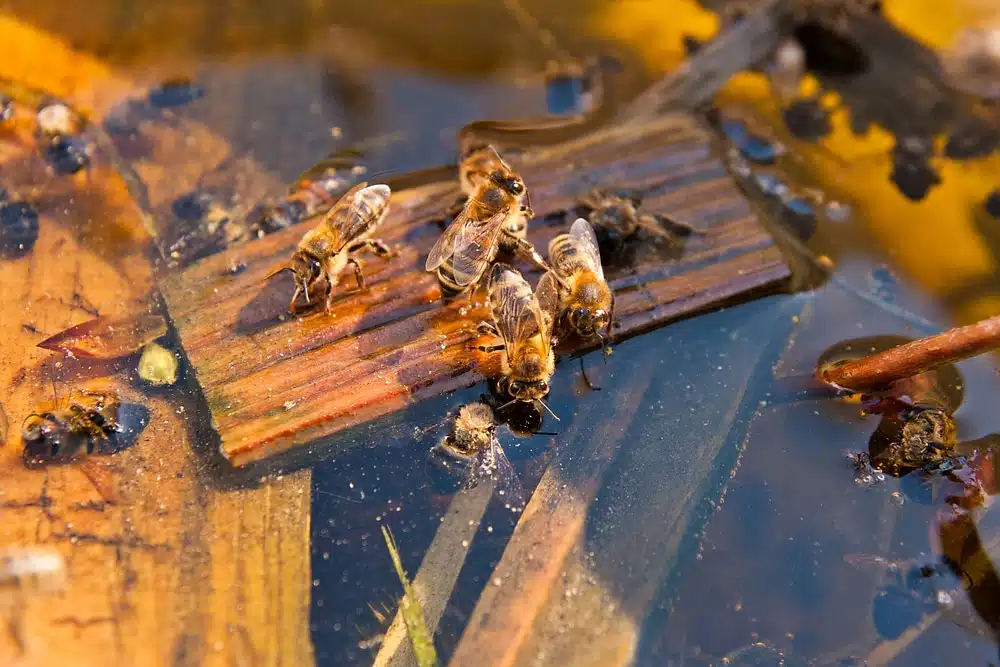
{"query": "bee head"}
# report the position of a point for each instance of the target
(587, 322)
(509, 182)
(526, 390)
(45, 438)
(305, 269)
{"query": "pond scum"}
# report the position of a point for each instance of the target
(411, 611)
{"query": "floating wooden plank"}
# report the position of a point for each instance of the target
(274, 382)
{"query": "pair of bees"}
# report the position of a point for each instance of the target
(492, 221)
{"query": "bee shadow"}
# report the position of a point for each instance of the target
(269, 306)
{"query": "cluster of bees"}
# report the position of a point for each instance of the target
(572, 298)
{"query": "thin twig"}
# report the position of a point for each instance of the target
(883, 368)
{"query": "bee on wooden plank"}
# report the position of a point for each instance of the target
(325, 251)
(587, 303)
(494, 219)
(90, 421)
(523, 321)
(472, 450)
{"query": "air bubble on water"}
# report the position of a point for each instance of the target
(897, 498)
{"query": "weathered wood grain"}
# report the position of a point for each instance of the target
(164, 566)
(274, 382)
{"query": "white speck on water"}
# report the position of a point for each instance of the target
(465, 544)
(289, 405)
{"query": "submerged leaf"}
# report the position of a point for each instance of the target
(412, 612)
(107, 338)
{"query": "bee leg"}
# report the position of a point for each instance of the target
(358, 273)
(529, 252)
(487, 329)
(291, 304)
(373, 245)
(586, 380)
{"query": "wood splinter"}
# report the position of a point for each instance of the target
(883, 368)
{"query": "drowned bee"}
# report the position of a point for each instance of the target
(325, 251)
(473, 450)
(523, 321)
(90, 422)
(494, 219)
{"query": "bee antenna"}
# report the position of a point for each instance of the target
(506, 405)
(548, 409)
(276, 272)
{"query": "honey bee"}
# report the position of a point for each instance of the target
(326, 250)
(523, 321)
(494, 219)
(90, 421)
(588, 304)
(472, 448)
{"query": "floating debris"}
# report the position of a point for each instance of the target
(158, 365)
(18, 227)
(992, 204)
(754, 147)
(62, 146)
(807, 119)
(972, 64)
(107, 338)
(421, 637)
(6, 109)
(31, 571)
(912, 173)
(175, 93)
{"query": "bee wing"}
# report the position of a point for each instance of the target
(356, 213)
(585, 239)
(547, 295)
(516, 310)
(468, 244)
(492, 463)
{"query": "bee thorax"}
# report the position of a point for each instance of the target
(590, 294)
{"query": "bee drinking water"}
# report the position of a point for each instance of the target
(325, 251)
(473, 450)
(494, 219)
(523, 321)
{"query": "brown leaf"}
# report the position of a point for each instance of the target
(107, 338)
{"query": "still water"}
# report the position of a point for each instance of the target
(725, 523)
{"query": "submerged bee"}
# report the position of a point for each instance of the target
(494, 219)
(587, 303)
(473, 449)
(89, 422)
(326, 250)
(523, 321)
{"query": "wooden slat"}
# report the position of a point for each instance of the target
(275, 382)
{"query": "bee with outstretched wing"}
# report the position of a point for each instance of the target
(493, 219)
(325, 251)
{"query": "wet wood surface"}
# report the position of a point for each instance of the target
(274, 383)
(165, 564)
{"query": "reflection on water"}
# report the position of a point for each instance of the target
(758, 563)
